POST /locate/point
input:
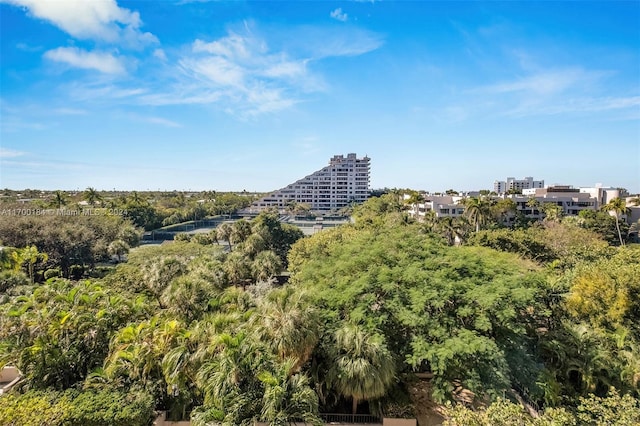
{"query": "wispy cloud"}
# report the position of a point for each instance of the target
(155, 120)
(245, 73)
(547, 82)
(306, 146)
(70, 111)
(252, 76)
(628, 106)
(10, 153)
(28, 48)
(242, 72)
(78, 58)
(96, 20)
(102, 92)
(339, 15)
(159, 53)
(571, 90)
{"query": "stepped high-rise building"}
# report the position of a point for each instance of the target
(344, 181)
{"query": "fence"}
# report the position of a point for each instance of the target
(350, 418)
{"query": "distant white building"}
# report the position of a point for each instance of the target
(343, 182)
(513, 184)
(440, 205)
(571, 200)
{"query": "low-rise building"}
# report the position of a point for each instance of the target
(571, 200)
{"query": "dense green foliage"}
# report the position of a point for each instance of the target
(73, 408)
(67, 241)
(544, 314)
(454, 311)
(611, 410)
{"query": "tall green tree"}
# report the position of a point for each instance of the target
(288, 396)
(552, 212)
(618, 207)
(92, 196)
(363, 367)
(287, 323)
(477, 210)
(266, 265)
(30, 255)
(223, 233)
(59, 200)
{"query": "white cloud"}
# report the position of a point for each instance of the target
(339, 15)
(90, 19)
(548, 83)
(103, 62)
(28, 48)
(216, 69)
(159, 120)
(241, 73)
(580, 105)
(10, 153)
(318, 43)
(70, 111)
(286, 69)
(231, 46)
(306, 146)
(247, 75)
(159, 53)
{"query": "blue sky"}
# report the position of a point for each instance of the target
(195, 95)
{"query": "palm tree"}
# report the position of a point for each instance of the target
(59, 199)
(617, 207)
(118, 248)
(266, 265)
(230, 373)
(187, 297)
(533, 204)
(552, 212)
(289, 325)
(363, 367)
(31, 255)
(288, 397)
(135, 198)
(240, 231)
(159, 273)
(253, 245)
(238, 269)
(450, 228)
(477, 211)
(430, 220)
(505, 211)
(635, 201)
(91, 196)
(134, 353)
(223, 232)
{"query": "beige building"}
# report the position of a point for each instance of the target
(571, 200)
(440, 205)
(343, 182)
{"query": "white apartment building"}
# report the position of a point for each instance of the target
(441, 205)
(344, 181)
(572, 200)
(501, 186)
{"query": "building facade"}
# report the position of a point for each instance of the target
(513, 184)
(343, 182)
(571, 200)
